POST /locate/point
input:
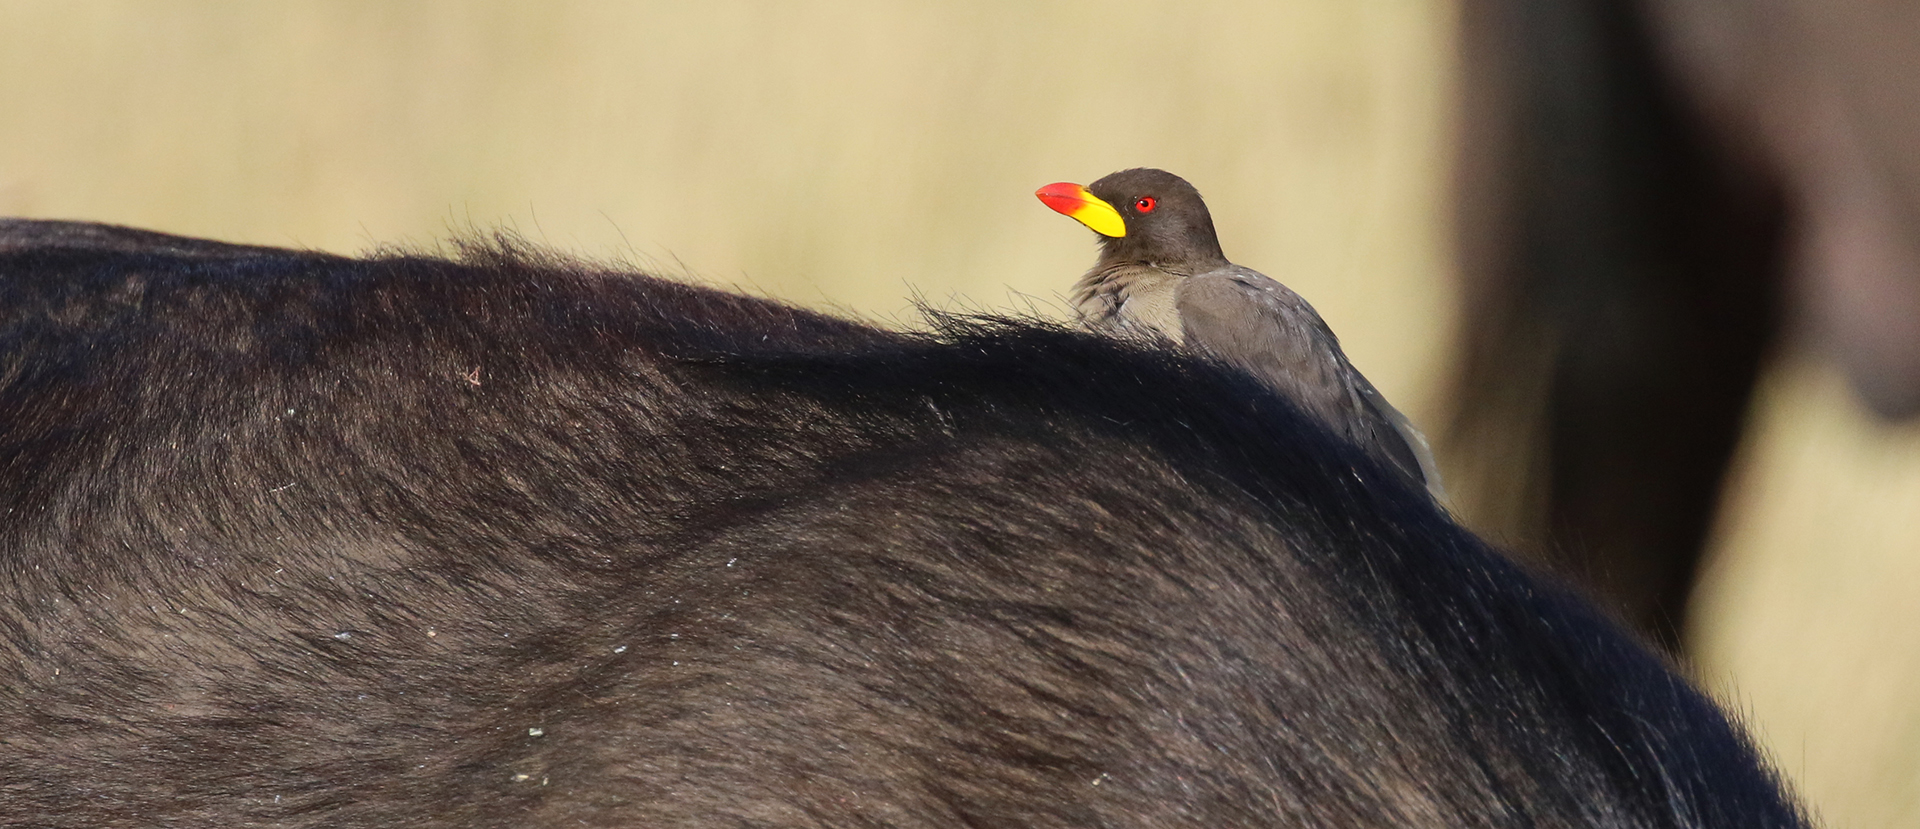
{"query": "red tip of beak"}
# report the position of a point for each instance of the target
(1064, 197)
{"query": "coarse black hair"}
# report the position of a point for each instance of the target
(506, 539)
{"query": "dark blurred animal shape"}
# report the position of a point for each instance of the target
(1653, 197)
(293, 539)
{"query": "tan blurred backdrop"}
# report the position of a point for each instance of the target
(852, 155)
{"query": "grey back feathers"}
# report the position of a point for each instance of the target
(1167, 278)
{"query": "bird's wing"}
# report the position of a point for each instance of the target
(1424, 468)
(1267, 330)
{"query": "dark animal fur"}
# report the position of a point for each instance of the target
(291, 539)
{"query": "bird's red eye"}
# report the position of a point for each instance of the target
(1146, 204)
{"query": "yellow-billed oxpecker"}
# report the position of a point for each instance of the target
(1161, 273)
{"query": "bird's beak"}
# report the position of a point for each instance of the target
(1086, 208)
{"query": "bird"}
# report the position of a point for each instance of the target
(1161, 274)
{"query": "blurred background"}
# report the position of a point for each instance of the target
(1641, 270)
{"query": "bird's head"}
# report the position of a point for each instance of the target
(1142, 215)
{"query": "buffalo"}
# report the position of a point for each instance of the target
(501, 538)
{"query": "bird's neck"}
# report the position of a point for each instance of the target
(1193, 249)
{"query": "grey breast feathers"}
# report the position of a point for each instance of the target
(1130, 300)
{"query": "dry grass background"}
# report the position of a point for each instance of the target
(853, 154)
(1808, 616)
